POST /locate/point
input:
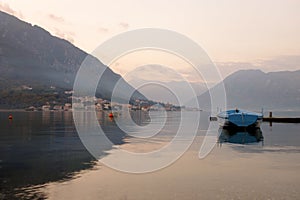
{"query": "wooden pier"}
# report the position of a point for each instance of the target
(281, 119)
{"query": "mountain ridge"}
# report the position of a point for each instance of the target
(30, 55)
(255, 89)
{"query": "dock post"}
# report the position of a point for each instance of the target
(270, 116)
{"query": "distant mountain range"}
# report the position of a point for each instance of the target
(165, 91)
(31, 56)
(248, 89)
(254, 89)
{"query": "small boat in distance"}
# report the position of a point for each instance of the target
(240, 118)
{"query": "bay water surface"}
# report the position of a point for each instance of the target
(42, 157)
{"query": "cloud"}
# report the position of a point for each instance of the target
(119, 68)
(6, 8)
(279, 63)
(227, 68)
(103, 29)
(124, 25)
(154, 73)
(158, 72)
(291, 62)
(117, 64)
(190, 74)
(67, 35)
(56, 18)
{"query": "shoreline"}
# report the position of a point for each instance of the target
(23, 110)
(13, 110)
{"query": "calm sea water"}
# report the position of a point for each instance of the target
(40, 148)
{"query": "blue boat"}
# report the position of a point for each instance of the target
(240, 118)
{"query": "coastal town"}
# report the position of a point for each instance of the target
(87, 103)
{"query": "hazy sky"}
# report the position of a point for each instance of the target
(236, 34)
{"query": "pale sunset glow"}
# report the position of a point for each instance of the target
(235, 34)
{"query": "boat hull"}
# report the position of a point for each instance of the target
(227, 123)
(240, 118)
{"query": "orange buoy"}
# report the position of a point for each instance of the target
(110, 115)
(10, 117)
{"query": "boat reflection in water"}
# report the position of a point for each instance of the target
(240, 135)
